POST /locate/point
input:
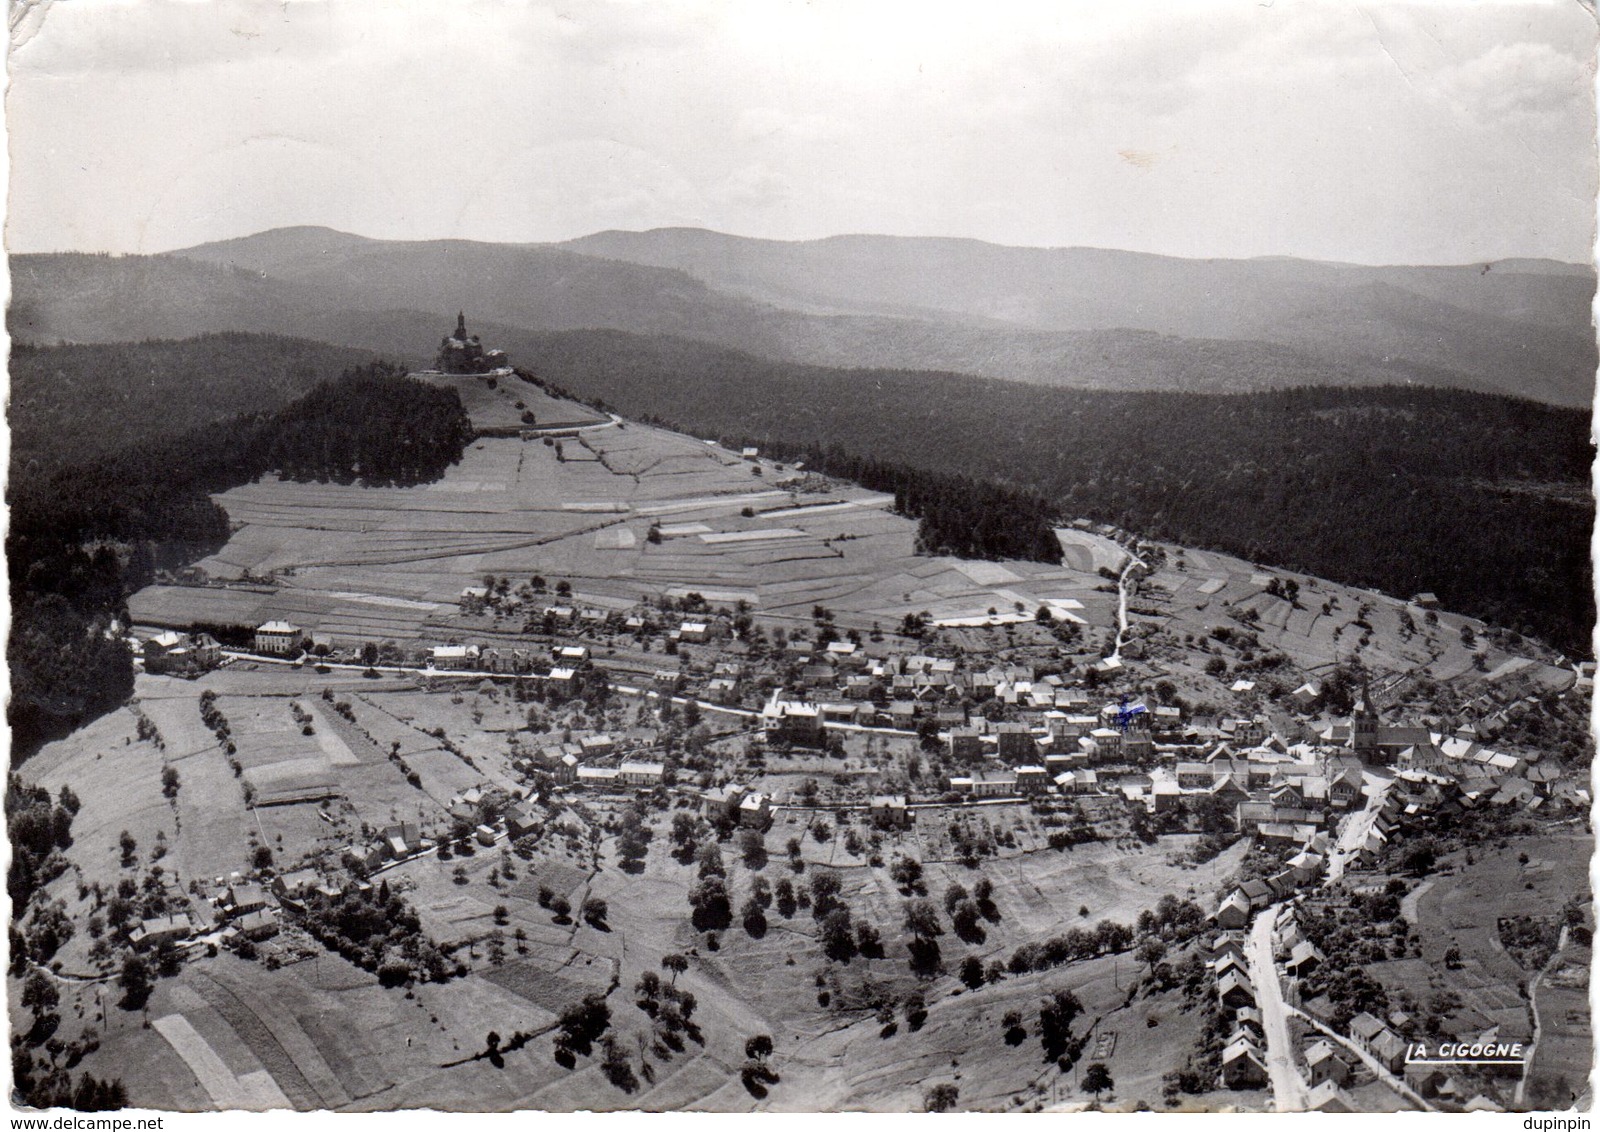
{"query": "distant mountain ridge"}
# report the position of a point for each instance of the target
(1071, 317)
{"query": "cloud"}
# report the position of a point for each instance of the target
(1519, 85)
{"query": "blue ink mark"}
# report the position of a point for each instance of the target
(1126, 714)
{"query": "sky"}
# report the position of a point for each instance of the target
(1440, 132)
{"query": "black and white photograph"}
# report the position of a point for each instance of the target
(664, 556)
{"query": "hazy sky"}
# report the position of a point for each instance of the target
(1442, 132)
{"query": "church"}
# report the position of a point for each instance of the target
(463, 353)
(1376, 743)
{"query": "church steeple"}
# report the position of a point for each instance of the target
(1364, 724)
(461, 325)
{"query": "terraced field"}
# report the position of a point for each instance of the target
(357, 564)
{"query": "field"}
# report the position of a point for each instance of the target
(359, 564)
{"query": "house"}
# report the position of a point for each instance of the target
(597, 746)
(453, 656)
(722, 801)
(1196, 776)
(667, 680)
(597, 776)
(157, 930)
(1107, 743)
(523, 819)
(1305, 696)
(1165, 796)
(890, 811)
(1325, 1064)
(277, 638)
(260, 924)
(1234, 911)
(755, 811)
(484, 835)
(572, 655)
(1228, 961)
(1307, 866)
(1242, 1067)
(987, 784)
(1226, 942)
(1327, 1097)
(839, 712)
(723, 690)
(1015, 743)
(1303, 959)
(401, 839)
(1258, 892)
(1382, 1043)
(1234, 989)
(792, 721)
(1077, 782)
(641, 773)
(966, 743)
(244, 897)
(1345, 789)
(1248, 1019)
(1032, 779)
(694, 632)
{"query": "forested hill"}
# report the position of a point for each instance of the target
(84, 537)
(72, 402)
(1483, 500)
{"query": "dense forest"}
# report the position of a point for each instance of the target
(1484, 500)
(72, 402)
(85, 536)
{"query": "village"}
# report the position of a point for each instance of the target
(483, 742)
(1321, 799)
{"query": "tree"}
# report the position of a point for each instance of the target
(836, 938)
(710, 860)
(941, 1098)
(825, 887)
(169, 781)
(675, 964)
(1056, 1013)
(972, 972)
(39, 994)
(754, 917)
(921, 919)
(1097, 1078)
(136, 982)
(128, 846)
(594, 911)
(758, 1047)
(906, 872)
(712, 908)
(753, 847)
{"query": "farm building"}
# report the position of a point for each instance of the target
(157, 930)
